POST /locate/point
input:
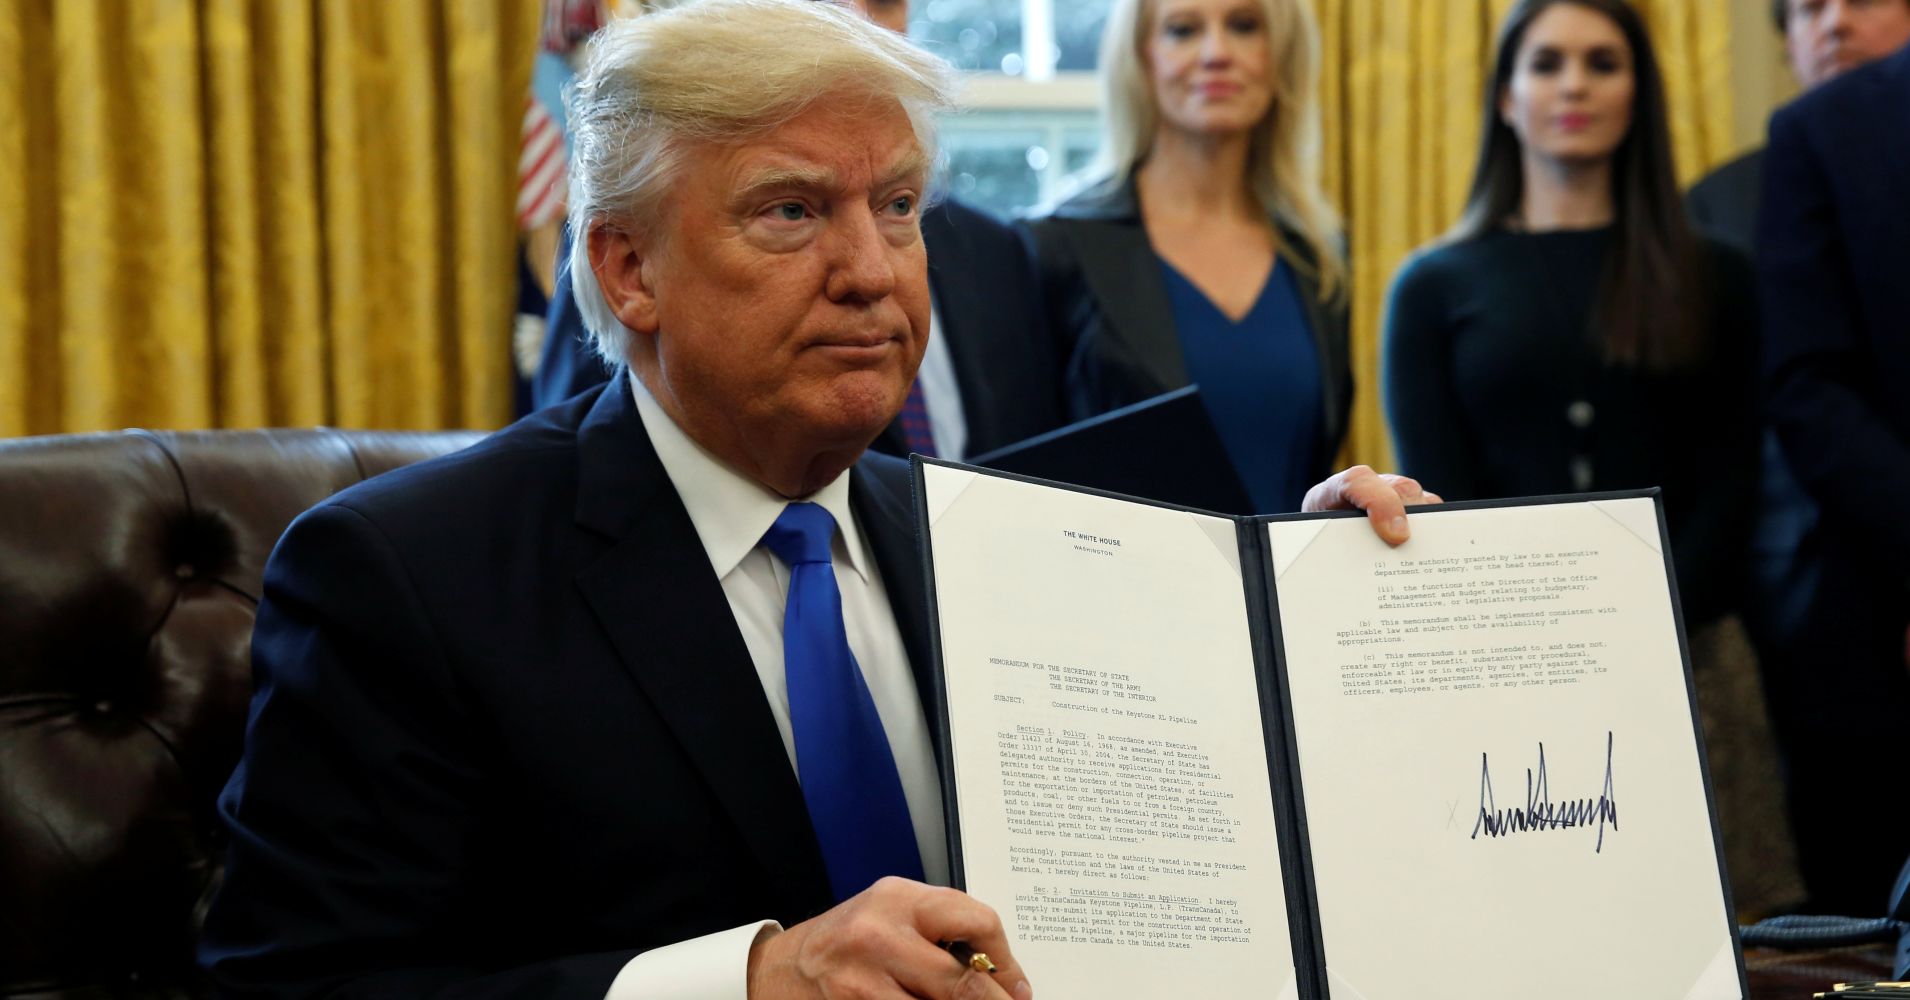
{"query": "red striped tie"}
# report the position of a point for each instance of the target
(916, 432)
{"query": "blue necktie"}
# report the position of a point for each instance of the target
(848, 773)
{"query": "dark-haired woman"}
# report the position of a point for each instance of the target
(1572, 334)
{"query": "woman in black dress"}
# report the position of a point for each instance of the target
(1573, 334)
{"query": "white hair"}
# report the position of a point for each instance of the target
(715, 71)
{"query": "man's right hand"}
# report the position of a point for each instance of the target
(883, 944)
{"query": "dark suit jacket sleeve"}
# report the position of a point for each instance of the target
(1724, 203)
(356, 809)
(569, 364)
(1422, 396)
(1840, 447)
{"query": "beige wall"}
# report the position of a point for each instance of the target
(1760, 81)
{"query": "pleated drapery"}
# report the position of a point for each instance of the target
(230, 213)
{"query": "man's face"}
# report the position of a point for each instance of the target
(790, 302)
(1826, 37)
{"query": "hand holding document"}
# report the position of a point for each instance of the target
(1383, 496)
(1197, 755)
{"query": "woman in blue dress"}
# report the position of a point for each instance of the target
(1206, 252)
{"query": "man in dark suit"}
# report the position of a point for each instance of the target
(1785, 589)
(1833, 253)
(989, 378)
(1822, 38)
(568, 714)
(522, 725)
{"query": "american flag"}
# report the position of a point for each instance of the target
(567, 22)
(540, 167)
(541, 161)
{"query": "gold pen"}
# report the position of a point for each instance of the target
(969, 957)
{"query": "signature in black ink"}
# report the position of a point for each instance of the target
(1540, 813)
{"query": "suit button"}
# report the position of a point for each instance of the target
(1581, 473)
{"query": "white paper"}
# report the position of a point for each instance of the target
(1108, 749)
(1491, 643)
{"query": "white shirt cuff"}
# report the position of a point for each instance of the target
(711, 967)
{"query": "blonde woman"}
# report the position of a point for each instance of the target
(1206, 253)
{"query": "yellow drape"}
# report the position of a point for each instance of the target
(258, 212)
(1403, 86)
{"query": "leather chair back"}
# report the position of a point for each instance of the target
(130, 565)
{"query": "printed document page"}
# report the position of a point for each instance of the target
(1501, 779)
(1109, 756)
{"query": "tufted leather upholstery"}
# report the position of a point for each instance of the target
(129, 572)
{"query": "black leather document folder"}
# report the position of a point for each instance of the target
(1189, 754)
(1164, 449)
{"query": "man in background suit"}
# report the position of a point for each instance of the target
(989, 378)
(542, 718)
(1785, 590)
(1833, 255)
(1822, 38)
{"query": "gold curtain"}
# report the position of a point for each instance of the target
(1403, 87)
(231, 213)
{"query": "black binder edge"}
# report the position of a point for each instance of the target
(1704, 756)
(1295, 853)
(1656, 496)
(944, 731)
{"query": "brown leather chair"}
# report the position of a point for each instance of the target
(129, 573)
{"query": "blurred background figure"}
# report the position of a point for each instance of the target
(1784, 588)
(987, 379)
(1822, 38)
(1571, 334)
(543, 165)
(1833, 259)
(1205, 252)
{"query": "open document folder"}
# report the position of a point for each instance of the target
(1193, 755)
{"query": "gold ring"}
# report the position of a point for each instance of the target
(980, 963)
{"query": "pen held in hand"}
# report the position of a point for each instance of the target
(969, 957)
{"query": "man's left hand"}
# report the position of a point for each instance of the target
(1384, 498)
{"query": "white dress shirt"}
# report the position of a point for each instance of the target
(731, 513)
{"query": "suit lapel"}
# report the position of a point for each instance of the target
(949, 285)
(880, 490)
(1120, 269)
(656, 596)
